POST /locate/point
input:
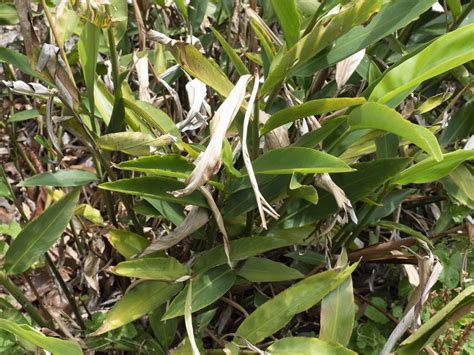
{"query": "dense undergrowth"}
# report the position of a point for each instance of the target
(278, 176)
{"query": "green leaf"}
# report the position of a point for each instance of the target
(62, 178)
(181, 4)
(464, 179)
(439, 323)
(289, 19)
(26, 333)
(88, 48)
(203, 69)
(127, 243)
(455, 7)
(171, 165)
(278, 311)
(133, 143)
(40, 234)
(207, 288)
(337, 314)
(155, 187)
(459, 126)
(153, 116)
(119, 18)
(393, 16)
(306, 192)
(137, 302)
(357, 185)
(164, 269)
(20, 61)
(313, 107)
(291, 160)
(442, 55)
(377, 116)
(429, 170)
(266, 270)
(325, 32)
(8, 15)
(24, 115)
(304, 345)
(233, 56)
(241, 249)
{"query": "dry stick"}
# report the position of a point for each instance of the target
(20, 297)
(67, 293)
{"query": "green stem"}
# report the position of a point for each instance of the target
(20, 297)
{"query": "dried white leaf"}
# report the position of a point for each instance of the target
(143, 80)
(325, 182)
(210, 161)
(262, 203)
(219, 221)
(197, 92)
(196, 218)
(345, 68)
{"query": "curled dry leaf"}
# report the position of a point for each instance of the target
(195, 219)
(141, 65)
(325, 182)
(219, 221)
(50, 59)
(20, 87)
(429, 271)
(197, 92)
(210, 161)
(277, 138)
(345, 68)
(262, 204)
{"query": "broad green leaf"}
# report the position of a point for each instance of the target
(405, 229)
(26, 333)
(164, 331)
(133, 143)
(171, 165)
(127, 243)
(291, 160)
(325, 32)
(377, 116)
(278, 311)
(456, 190)
(438, 324)
(241, 249)
(138, 301)
(153, 116)
(464, 179)
(393, 16)
(289, 19)
(40, 234)
(119, 18)
(163, 269)
(62, 178)
(357, 185)
(24, 115)
(461, 125)
(203, 69)
(306, 345)
(430, 170)
(20, 61)
(266, 270)
(155, 187)
(8, 15)
(442, 55)
(233, 56)
(306, 192)
(314, 107)
(90, 213)
(337, 314)
(207, 288)
(455, 7)
(181, 4)
(88, 48)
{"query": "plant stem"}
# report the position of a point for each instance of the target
(67, 293)
(20, 297)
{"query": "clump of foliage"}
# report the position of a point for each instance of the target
(278, 176)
